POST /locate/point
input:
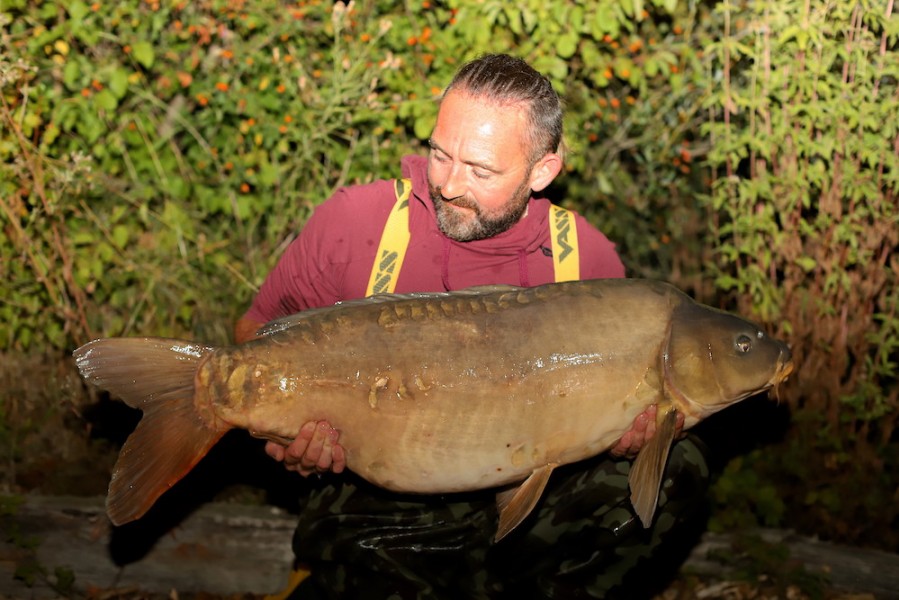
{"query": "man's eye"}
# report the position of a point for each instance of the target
(481, 174)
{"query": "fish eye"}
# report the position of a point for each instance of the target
(743, 343)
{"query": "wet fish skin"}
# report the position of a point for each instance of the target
(437, 393)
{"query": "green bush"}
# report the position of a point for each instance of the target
(160, 155)
(805, 161)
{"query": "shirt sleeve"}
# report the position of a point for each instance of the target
(308, 274)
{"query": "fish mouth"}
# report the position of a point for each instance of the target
(785, 367)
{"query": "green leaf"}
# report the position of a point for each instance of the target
(105, 100)
(566, 45)
(71, 73)
(144, 54)
(78, 10)
(118, 83)
(120, 236)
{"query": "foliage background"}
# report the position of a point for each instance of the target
(157, 155)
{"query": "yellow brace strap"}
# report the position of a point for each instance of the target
(566, 260)
(394, 241)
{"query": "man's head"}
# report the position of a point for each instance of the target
(496, 140)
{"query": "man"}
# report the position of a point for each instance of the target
(471, 219)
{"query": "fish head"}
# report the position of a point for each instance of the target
(714, 358)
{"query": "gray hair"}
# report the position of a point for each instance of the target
(507, 79)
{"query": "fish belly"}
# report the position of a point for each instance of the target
(456, 392)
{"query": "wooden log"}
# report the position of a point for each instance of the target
(221, 549)
(848, 569)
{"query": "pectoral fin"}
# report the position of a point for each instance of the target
(517, 503)
(646, 473)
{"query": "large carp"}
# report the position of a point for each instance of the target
(443, 392)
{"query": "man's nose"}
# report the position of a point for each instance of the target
(454, 183)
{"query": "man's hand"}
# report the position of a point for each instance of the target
(315, 450)
(641, 431)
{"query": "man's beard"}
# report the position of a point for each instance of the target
(475, 223)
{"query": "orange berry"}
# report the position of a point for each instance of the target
(221, 86)
(85, 92)
(288, 118)
(185, 79)
(244, 188)
(365, 37)
(202, 99)
(281, 88)
(615, 102)
(624, 73)
(283, 128)
(227, 54)
(677, 29)
(412, 40)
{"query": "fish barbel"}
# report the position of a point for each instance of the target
(443, 392)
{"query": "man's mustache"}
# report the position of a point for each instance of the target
(459, 201)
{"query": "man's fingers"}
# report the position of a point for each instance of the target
(315, 446)
(623, 446)
(339, 457)
(293, 455)
(328, 437)
(275, 450)
(314, 450)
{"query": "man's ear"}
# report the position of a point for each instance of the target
(545, 170)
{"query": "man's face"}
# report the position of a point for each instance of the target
(478, 169)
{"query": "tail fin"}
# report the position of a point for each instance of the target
(155, 375)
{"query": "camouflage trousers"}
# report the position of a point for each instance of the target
(582, 541)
